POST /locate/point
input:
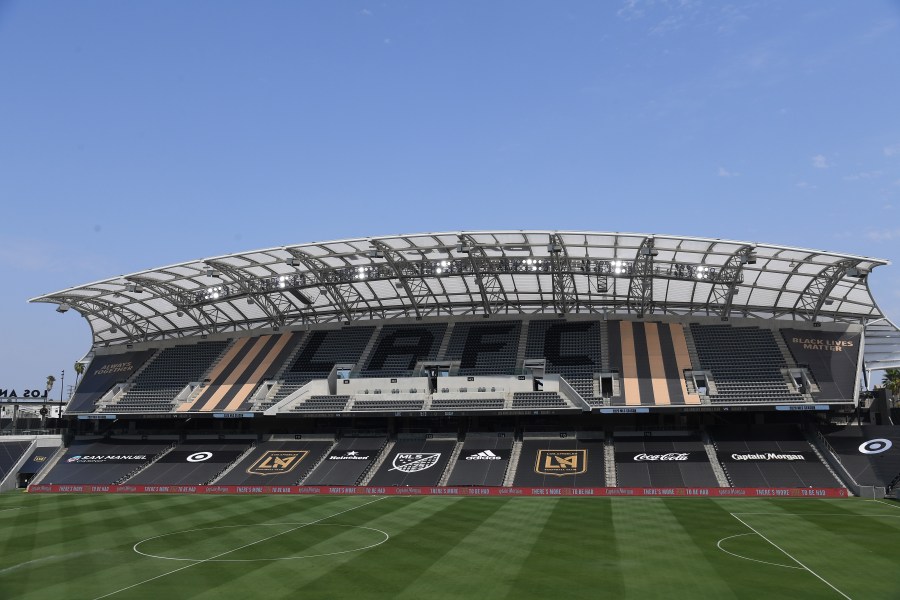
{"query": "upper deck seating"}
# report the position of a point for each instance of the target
(745, 362)
(651, 359)
(571, 349)
(399, 347)
(156, 387)
(485, 348)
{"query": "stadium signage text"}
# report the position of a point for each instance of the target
(820, 344)
(669, 456)
(107, 458)
(351, 455)
(483, 455)
(441, 491)
(120, 367)
(12, 394)
(769, 456)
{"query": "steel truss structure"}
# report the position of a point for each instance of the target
(475, 273)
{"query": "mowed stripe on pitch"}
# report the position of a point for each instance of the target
(500, 545)
(652, 536)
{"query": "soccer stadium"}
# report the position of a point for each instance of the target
(486, 414)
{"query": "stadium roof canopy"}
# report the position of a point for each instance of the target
(472, 273)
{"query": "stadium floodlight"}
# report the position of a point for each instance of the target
(63, 307)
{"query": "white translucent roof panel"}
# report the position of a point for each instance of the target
(783, 282)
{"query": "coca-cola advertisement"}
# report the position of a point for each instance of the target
(636, 457)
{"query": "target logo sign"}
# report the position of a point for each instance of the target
(199, 457)
(876, 446)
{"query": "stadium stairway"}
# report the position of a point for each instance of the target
(147, 464)
(609, 459)
(710, 448)
(451, 464)
(315, 466)
(11, 480)
(513, 463)
(831, 459)
(235, 463)
(50, 464)
(373, 468)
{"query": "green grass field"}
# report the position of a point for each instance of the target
(222, 547)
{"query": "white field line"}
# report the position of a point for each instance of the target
(765, 562)
(6, 509)
(886, 516)
(200, 562)
(896, 506)
(786, 553)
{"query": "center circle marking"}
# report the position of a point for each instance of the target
(299, 526)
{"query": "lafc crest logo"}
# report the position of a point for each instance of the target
(561, 462)
(276, 462)
(409, 462)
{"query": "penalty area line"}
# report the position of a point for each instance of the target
(888, 504)
(200, 562)
(789, 555)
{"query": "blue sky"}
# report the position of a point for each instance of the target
(134, 135)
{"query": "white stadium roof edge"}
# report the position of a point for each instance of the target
(485, 272)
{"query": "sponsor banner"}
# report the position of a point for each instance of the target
(617, 411)
(832, 357)
(486, 455)
(94, 459)
(103, 373)
(353, 455)
(442, 491)
(232, 415)
(796, 407)
(201, 456)
(876, 446)
(779, 456)
(629, 457)
(277, 462)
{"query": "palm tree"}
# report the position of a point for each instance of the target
(891, 381)
(79, 371)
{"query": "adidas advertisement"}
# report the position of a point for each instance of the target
(484, 455)
(630, 457)
(89, 459)
(349, 455)
(767, 456)
(188, 456)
